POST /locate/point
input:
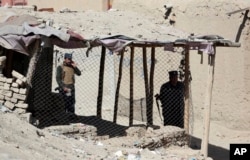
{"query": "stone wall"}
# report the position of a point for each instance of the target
(76, 5)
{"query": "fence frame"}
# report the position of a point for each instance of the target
(192, 43)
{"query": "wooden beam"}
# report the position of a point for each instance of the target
(101, 80)
(146, 45)
(131, 99)
(208, 101)
(118, 87)
(242, 26)
(151, 83)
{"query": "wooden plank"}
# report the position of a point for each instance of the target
(241, 10)
(131, 99)
(118, 87)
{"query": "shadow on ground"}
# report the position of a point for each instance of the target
(215, 152)
(105, 127)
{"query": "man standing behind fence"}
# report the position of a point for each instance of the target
(172, 100)
(65, 77)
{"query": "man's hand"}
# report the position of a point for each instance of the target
(65, 89)
(73, 64)
(157, 96)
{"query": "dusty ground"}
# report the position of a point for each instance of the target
(230, 120)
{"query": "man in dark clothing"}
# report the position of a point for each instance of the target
(65, 77)
(172, 100)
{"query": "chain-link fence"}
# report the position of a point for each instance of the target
(125, 83)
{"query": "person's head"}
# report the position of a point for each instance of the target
(67, 58)
(173, 77)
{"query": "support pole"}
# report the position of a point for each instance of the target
(118, 87)
(145, 69)
(101, 80)
(208, 102)
(186, 82)
(151, 83)
(131, 99)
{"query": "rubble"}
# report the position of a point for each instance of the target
(165, 137)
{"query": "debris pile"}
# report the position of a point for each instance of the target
(165, 137)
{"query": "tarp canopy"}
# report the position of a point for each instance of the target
(119, 42)
(19, 32)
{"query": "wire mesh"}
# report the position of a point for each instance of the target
(114, 93)
(86, 85)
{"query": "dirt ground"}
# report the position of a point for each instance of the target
(230, 120)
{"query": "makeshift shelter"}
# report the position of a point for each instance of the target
(36, 41)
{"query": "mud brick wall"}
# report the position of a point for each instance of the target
(13, 91)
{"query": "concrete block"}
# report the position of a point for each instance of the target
(2, 79)
(24, 79)
(22, 105)
(6, 86)
(19, 82)
(20, 111)
(14, 89)
(19, 96)
(17, 75)
(27, 117)
(2, 58)
(9, 80)
(22, 90)
(14, 84)
(20, 101)
(9, 105)
(13, 100)
(6, 93)
(6, 98)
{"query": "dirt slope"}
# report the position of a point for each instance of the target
(145, 19)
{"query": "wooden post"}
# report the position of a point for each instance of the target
(101, 80)
(118, 87)
(145, 69)
(242, 26)
(186, 82)
(39, 96)
(131, 99)
(208, 101)
(151, 83)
